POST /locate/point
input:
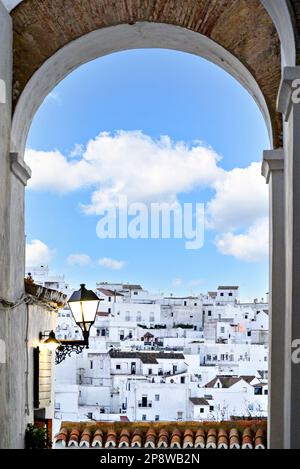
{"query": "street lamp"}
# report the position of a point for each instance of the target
(83, 304)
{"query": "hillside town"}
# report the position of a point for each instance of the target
(156, 358)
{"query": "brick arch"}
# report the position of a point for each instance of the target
(241, 27)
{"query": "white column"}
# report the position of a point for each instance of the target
(273, 171)
(13, 177)
(289, 106)
(5, 124)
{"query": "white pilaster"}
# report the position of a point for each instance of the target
(273, 171)
(289, 106)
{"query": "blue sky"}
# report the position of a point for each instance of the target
(147, 94)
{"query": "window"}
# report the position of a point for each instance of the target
(144, 401)
(118, 367)
(109, 298)
(221, 294)
(150, 371)
(209, 313)
(156, 418)
(185, 303)
(222, 330)
(90, 415)
(57, 405)
(230, 294)
(98, 332)
(144, 417)
(201, 410)
(182, 379)
(91, 364)
(157, 397)
(135, 292)
(109, 310)
(265, 392)
(179, 415)
(211, 408)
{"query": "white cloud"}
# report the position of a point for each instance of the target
(79, 259)
(38, 253)
(53, 172)
(241, 199)
(251, 246)
(148, 170)
(111, 263)
(239, 212)
(126, 163)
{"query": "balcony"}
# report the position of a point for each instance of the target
(144, 405)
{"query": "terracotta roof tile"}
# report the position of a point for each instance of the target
(200, 439)
(163, 439)
(259, 440)
(74, 437)
(210, 435)
(98, 439)
(111, 439)
(176, 439)
(62, 437)
(150, 438)
(137, 439)
(188, 439)
(222, 439)
(211, 441)
(247, 441)
(234, 439)
(124, 438)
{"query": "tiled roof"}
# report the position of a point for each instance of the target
(48, 295)
(248, 378)
(227, 381)
(146, 357)
(212, 294)
(225, 435)
(129, 286)
(228, 287)
(107, 292)
(199, 401)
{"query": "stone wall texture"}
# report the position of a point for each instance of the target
(243, 27)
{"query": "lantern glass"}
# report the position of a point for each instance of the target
(84, 305)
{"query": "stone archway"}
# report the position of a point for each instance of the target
(45, 35)
(50, 39)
